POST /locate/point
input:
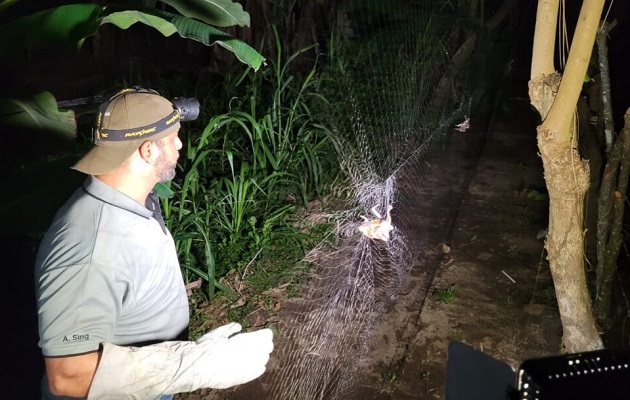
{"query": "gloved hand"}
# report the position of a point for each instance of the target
(219, 359)
(242, 356)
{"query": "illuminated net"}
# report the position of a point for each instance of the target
(397, 108)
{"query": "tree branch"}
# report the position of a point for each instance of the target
(561, 112)
(544, 44)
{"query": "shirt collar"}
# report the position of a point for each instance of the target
(108, 194)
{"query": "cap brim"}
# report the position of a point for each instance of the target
(103, 159)
(107, 156)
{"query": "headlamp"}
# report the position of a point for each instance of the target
(183, 109)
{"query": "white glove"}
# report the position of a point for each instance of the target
(219, 359)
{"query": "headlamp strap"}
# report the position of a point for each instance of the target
(111, 135)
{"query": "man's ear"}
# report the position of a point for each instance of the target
(148, 151)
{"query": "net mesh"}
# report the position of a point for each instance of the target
(398, 107)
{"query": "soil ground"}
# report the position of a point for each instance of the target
(481, 279)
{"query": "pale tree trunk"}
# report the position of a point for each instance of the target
(566, 174)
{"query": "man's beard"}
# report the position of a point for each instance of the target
(165, 170)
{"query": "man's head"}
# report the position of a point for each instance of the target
(129, 119)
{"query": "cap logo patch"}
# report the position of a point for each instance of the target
(141, 132)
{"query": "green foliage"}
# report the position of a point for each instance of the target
(277, 269)
(68, 26)
(65, 28)
(244, 173)
(163, 190)
(4, 4)
(214, 12)
(168, 23)
(38, 113)
(445, 295)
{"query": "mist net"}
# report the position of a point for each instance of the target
(404, 94)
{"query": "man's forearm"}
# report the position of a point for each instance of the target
(72, 375)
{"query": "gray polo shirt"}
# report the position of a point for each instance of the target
(107, 270)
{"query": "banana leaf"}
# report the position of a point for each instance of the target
(167, 24)
(6, 4)
(38, 113)
(67, 27)
(213, 12)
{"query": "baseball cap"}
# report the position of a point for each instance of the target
(129, 118)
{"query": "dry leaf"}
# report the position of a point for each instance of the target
(239, 303)
(192, 285)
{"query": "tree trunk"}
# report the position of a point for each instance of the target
(566, 174)
(604, 75)
(612, 199)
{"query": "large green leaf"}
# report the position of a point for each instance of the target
(213, 12)
(125, 19)
(168, 23)
(4, 4)
(163, 190)
(68, 26)
(62, 27)
(39, 113)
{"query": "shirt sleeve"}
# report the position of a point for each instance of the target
(78, 307)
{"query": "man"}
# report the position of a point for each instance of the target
(112, 307)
